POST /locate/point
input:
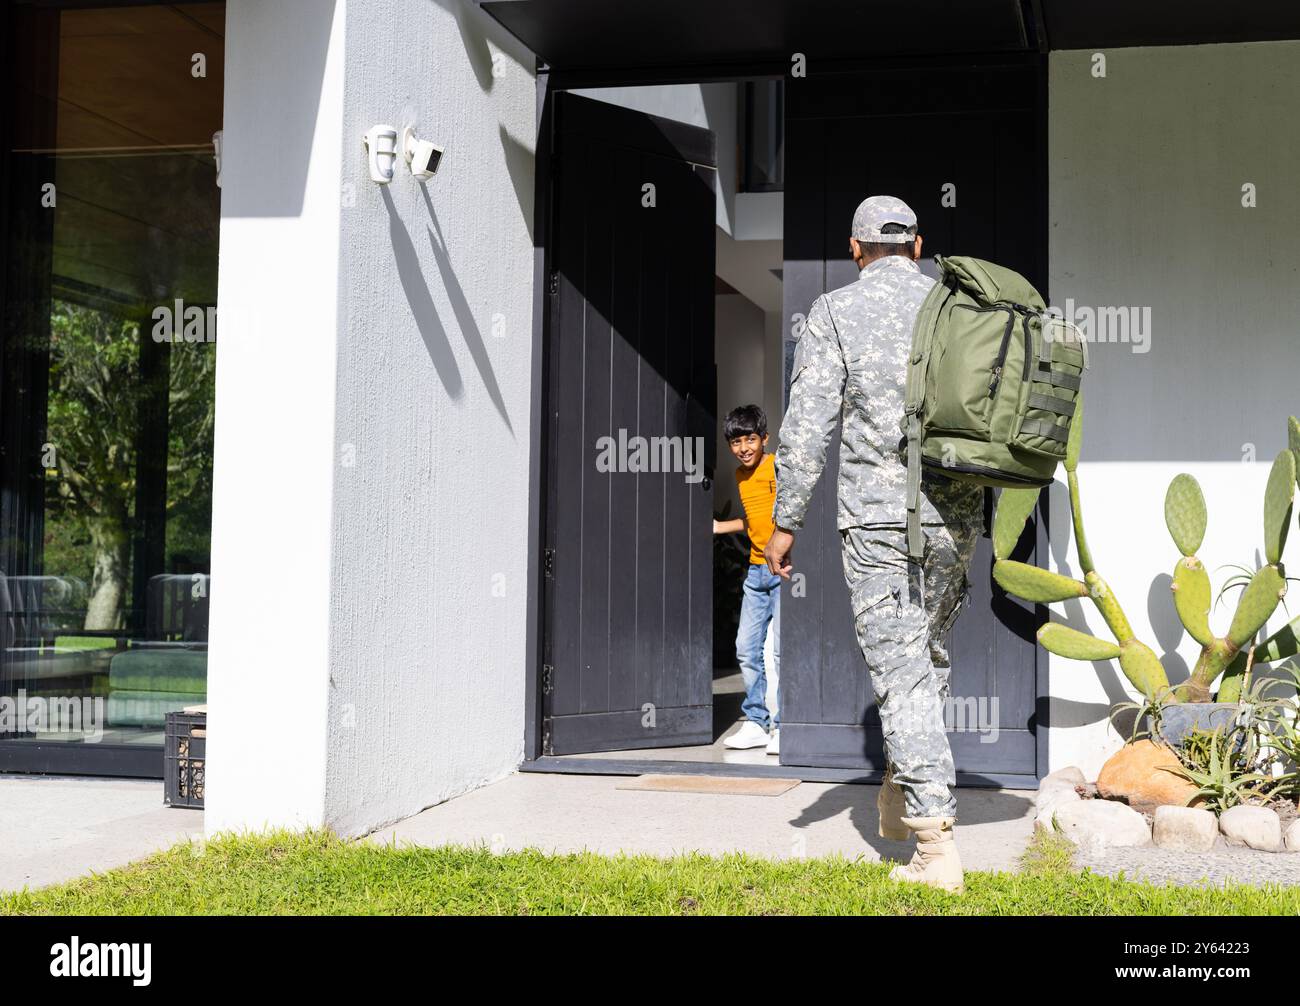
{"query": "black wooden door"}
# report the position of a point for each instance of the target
(628, 655)
(972, 134)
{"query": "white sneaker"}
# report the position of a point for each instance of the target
(751, 735)
(774, 742)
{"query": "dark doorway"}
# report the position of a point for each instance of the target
(611, 617)
(964, 145)
(628, 649)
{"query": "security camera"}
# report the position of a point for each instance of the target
(422, 155)
(381, 142)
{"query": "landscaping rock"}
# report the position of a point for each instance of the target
(1185, 829)
(1049, 801)
(1054, 793)
(1095, 825)
(1056, 790)
(1292, 837)
(1144, 775)
(1070, 776)
(1257, 827)
(1054, 797)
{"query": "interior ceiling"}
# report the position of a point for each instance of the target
(136, 179)
(125, 81)
(605, 34)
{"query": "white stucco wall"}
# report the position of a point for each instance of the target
(373, 563)
(429, 567)
(1146, 173)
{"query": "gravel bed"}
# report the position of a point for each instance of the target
(1223, 863)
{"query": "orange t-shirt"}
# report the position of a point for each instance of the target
(758, 497)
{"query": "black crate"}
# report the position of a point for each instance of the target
(183, 759)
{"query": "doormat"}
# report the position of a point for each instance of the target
(722, 785)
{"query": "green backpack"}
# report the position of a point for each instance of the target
(990, 395)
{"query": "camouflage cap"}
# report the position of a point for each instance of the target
(874, 212)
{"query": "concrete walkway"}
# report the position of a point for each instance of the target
(568, 813)
(59, 828)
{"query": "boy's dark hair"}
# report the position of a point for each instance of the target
(744, 420)
(879, 249)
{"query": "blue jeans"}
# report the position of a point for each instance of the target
(761, 606)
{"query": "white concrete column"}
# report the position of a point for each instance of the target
(278, 304)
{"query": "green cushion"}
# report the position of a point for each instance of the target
(161, 670)
(144, 709)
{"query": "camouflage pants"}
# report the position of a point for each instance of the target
(902, 639)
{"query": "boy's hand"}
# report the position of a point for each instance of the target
(778, 553)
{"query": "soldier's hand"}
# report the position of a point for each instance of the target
(779, 553)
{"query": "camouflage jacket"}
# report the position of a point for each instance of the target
(851, 364)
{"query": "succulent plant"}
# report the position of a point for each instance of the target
(1278, 497)
(1191, 583)
(1231, 654)
(1014, 508)
(1034, 584)
(1185, 514)
(1066, 642)
(1191, 588)
(1137, 660)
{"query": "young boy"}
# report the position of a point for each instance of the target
(745, 429)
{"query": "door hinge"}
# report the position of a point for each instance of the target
(548, 563)
(546, 741)
(548, 679)
(553, 283)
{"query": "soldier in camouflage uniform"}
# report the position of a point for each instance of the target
(851, 365)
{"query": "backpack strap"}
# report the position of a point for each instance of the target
(1042, 428)
(922, 338)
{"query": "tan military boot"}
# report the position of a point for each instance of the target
(891, 807)
(935, 861)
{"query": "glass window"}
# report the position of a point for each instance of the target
(107, 378)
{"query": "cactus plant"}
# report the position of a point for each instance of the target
(1278, 497)
(1142, 667)
(1014, 508)
(1066, 642)
(1074, 444)
(1185, 514)
(1137, 660)
(1038, 585)
(1191, 589)
(1230, 655)
(1284, 643)
(1191, 584)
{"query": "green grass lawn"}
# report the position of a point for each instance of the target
(316, 873)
